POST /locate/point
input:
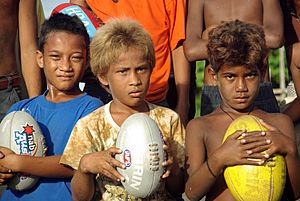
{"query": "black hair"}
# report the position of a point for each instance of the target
(65, 23)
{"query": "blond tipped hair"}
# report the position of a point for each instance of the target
(237, 43)
(117, 36)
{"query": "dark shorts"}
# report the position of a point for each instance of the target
(10, 92)
(265, 100)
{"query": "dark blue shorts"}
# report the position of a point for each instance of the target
(7, 98)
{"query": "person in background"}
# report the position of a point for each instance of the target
(18, 16)
(204, 15)
(291, 10)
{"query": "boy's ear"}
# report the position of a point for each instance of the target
(39, 58)
(103, 79)
(104, 82)
(212, 73)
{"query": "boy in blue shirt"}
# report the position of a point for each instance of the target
(62, 54)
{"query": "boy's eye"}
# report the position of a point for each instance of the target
(122, 71)
(141, 70)
(77, 58)
(252, 75)
(229, 77)
(54, 57)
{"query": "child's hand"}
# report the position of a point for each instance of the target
(5, 151)
(170, 164)
(235, 151)
(102, 162)
(5, 173)
(279, 143)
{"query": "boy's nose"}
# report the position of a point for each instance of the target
(241, 85)
(65, 65)
(135, 79)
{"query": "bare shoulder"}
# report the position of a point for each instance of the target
(199, 123)
(200, 126)
(277, 119)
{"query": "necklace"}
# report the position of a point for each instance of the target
(221, 107)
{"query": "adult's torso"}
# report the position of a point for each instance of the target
(216, 11)
(8, 30)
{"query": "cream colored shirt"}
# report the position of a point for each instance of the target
(98, 131)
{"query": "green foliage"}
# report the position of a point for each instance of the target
(199, 82)
(274, 68)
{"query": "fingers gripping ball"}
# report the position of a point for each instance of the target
(22, 134)
(89, 19)
(250, 182)
(142, 145)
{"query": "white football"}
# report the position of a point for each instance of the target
(22, 134)
(141, 142)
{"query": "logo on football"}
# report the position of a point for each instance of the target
(142, 145)
(22, 134)
(25, 140)
(127, 158)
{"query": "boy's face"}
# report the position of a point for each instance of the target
(128, 78)
(63, 60)
(238, 86)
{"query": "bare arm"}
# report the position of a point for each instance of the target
(199, 178)
(39, 166)
(273, 23)
(194, 45)
(28, 46)
(83, 186)
(182, 80)
(79, 2)
(293, 110)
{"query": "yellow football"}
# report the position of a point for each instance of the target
(251, 182)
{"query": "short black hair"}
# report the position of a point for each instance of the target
(65, 23)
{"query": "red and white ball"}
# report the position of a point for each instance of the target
(89, 19)
(141, 142)
(22, 134)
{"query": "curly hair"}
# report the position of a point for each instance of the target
(237, 43)
(118, 36)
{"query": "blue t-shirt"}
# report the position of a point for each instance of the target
(56, 121)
